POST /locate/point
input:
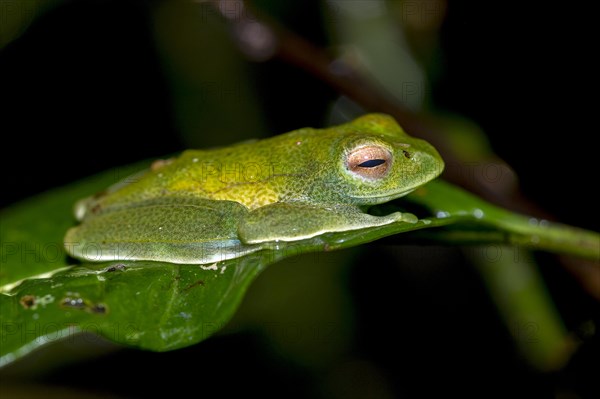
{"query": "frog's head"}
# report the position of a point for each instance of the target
(380, 162)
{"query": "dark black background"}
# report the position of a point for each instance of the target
(82, 91)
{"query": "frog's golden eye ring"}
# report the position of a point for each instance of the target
(370, 162)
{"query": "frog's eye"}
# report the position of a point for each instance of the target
(371, 162)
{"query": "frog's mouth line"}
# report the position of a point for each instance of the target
(385, 198)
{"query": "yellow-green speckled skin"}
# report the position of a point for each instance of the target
(211, 205)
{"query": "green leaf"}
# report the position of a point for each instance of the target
(161, 306)
(149, 305)
(472, 220)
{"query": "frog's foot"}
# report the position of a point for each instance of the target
(399, 217)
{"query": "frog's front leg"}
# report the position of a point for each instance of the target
(299, 221)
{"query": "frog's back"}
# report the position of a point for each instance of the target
(254, 174)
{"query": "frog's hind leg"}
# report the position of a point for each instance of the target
(169, 229)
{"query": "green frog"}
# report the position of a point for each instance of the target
(206, 206)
